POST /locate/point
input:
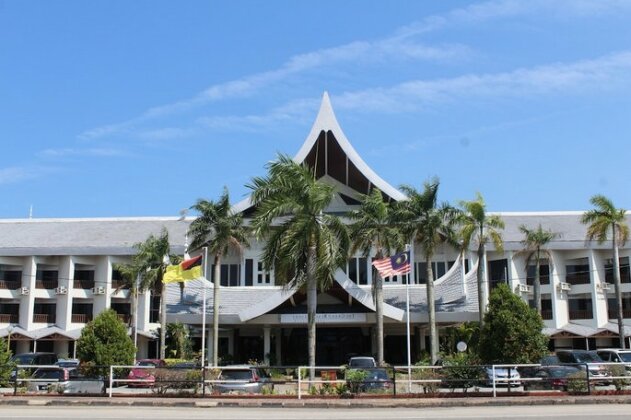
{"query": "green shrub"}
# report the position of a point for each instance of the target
(618, 371)
(577, 383)
(461, 370)
(427, 374)
(355, 379)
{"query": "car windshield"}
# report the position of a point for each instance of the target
(362, 363)
(562, 372)
(587, 358)
(237, 375)
(24, 359)
(377, 374)
(47, 374)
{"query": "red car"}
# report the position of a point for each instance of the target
(144, 373)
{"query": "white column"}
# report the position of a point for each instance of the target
(27, 302)
(267, 344)
(559, 299)
(144, 303)
(599, 296)
(102, 278)
(64, 302)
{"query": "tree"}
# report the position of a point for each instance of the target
(151, 260)
(512, 330)
(219, 229)
(6, 365)
(374, 230)
(303, 242)
(178, 341)
(604, 220)
(430, 225)
(104, 341)
(534, 242)
(129, 275)
(477, 225)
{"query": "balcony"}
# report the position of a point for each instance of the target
(119, 284)
(81, 318)
(46, 284)
(578, 278)
(584, 314)
(83, 284)
(10, 284)
(9, 318)
(125, 318)
(613, 314)
(546, 315)
(44, 318)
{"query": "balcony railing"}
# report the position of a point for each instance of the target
(543, 280)
(83, 284)
(81, 318)
(547, 315)
(581, 314)
(578, 278)
(119, 284)
(46, 284)
(613, 314)
(9, 318)
(44, 318)
(124, 317)
(10, 284)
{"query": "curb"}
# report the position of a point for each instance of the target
(311, 403)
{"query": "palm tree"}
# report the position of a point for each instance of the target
(303, 242)
(534, 242)
(220, 229)
(374, 230)
(477, 225)
(129, 274)
(430, 225)
(602, 220)
(151, 260)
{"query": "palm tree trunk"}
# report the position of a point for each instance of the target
(163, 319)
(616, 277)
(481, 282)
(216, 286)
(133, 317)
(379, 316)
(431, 312)
(537, 284)
(312, 302)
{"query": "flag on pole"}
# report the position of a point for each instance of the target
(391, 266)
(187, 270)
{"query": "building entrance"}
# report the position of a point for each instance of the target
(333, 346)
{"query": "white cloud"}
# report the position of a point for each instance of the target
(603, 73)
(71, 152)
(16, 174)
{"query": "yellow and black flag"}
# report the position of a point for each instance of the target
(190, 269)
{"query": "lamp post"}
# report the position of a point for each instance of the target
(9, 331)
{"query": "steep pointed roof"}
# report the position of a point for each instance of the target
(328, 150)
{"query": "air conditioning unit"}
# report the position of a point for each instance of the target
(604, 286)
(98, 290)
(24, 291)
(61, 290)
(523, 288)
(564, 287)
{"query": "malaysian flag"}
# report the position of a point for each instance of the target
(391, 266)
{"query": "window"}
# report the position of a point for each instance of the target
(578, 273)
(249, 271)
(544, 274)
(229, 274)
(580, 307)
(262, 276)
(625, 274)
(498, 272)
(357, 270)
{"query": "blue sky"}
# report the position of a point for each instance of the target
(116, 108)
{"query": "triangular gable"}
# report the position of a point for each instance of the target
(327, 149)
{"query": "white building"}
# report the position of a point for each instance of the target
(57, 274)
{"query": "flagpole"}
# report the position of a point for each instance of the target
(204, 307)
(407, 311)
(136, 316)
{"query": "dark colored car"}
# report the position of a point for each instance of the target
(242, 379)
(598, 372)
(551, 378)
(143, 375)
(32, 359)
(376, 380)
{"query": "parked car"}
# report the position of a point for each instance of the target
(361, 362)
(616, 356)
(67, 363)
(32, 359)
(242, 379)
(551, 377)
(377, 379)
(65, 381)
(143, 376)
(503, 376)
(582, 359)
